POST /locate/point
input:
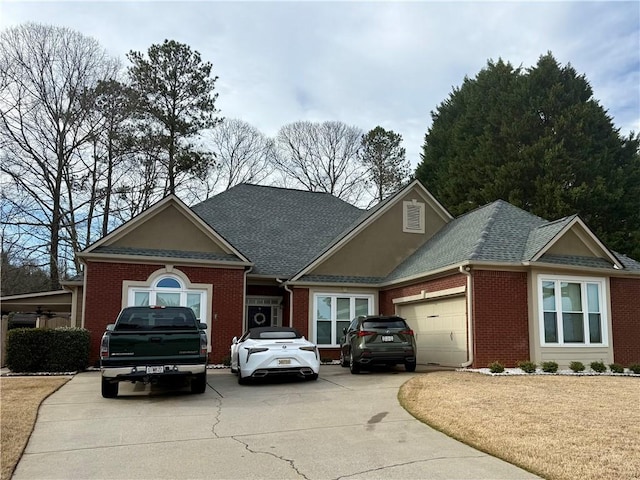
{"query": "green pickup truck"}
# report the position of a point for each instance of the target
(153, 345)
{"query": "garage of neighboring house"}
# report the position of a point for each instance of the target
(440, 327)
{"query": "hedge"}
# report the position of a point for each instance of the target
(63, 349)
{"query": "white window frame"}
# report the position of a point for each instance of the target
(334, 320)
(602, 302)
(183, 291)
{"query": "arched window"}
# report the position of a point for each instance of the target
(170, 290)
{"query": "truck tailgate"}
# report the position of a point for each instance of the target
(154, 347)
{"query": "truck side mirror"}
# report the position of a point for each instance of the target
(110, 327)
(202, 326)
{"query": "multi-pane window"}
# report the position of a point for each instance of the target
(333, 312)
(169, 291)
(573, 311)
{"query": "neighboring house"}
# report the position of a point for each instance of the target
(494, 284)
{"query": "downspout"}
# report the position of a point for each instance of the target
(465, 270)
(287, 289)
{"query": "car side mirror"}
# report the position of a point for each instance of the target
(110, 327)
(202, 326)
(234, 340)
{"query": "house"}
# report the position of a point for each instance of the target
(496, 283)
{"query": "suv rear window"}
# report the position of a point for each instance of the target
(384, 323)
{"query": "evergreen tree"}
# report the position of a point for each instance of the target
(176, 102)
(384, 160)
(538, 139)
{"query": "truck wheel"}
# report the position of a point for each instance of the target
(109, 390)
(199, 383)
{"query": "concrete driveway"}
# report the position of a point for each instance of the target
(340, 426)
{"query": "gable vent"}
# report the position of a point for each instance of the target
(413, 218)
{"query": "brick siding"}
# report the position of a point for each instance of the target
(104, 300)
(500, 317)
(625, 319)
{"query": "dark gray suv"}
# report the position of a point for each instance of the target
(378, 340)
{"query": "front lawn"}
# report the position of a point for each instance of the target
(558, 427)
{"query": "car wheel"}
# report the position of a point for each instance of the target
(343, 360)
(109, 390)
(410, 366)
(199, 383)
(353, 365)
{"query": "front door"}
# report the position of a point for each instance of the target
(258, 316)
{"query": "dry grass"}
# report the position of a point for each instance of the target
(20, 398)
(558, 427)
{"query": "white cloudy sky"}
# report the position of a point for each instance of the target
(365, 63)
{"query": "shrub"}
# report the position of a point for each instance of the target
(549, 367)
(496, 367)
(598, 367)
(577, 366)
(635, 368)
(527, 367)
(616, 368)
(63, 349)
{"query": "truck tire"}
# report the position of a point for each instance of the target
(109, 390)
(199, 383)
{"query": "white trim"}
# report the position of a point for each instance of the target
(441, 211)
(430, 295)
(370, 297)
(590, 236)
(127, 227)
(602, 303)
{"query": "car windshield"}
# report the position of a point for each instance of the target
(383, 323)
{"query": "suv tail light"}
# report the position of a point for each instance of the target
(365, 333)
(407, 332)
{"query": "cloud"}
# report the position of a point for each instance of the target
(366, 63)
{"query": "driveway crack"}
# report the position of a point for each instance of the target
(379, 469)
(287, 460)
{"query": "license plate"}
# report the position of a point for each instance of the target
(155, 369)
(387, 338)
(284, 361)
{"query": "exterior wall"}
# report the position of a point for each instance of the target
(104, 300)
(386, 297)
(301, 308)
(625, 316)
(183, 234)
(382, 245)
(500, 317)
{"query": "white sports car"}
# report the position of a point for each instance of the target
(273, 351)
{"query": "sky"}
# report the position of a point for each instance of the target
(364, 63)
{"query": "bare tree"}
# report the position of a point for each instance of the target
(322, 157)
(243, 153)
(45, 72)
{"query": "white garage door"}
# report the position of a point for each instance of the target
(440, 327)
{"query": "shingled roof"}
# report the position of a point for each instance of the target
(279, 229)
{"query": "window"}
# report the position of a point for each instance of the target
(169, 291)
(413, 217)
(334, 312)
(572, 311)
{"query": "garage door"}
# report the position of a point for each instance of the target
(440, 327)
